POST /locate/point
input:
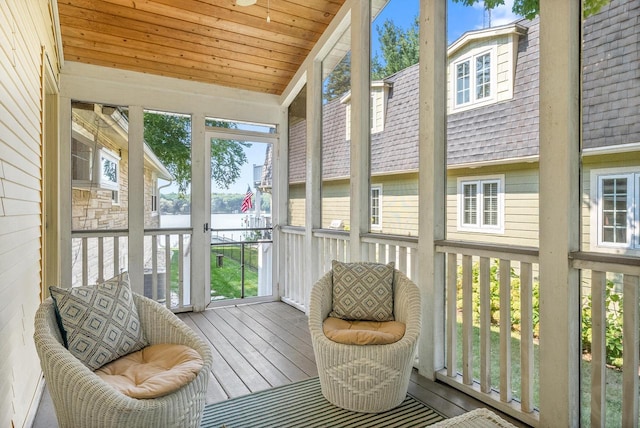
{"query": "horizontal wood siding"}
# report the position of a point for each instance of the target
(399, 201)
(297, 200)
(335, 202)
(520, 206)
(25, 26)
(505, 67)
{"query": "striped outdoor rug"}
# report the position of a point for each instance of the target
(301, 404)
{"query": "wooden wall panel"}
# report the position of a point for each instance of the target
(25, 28)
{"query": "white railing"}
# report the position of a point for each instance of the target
(401, 250)
(101, 254)
(480, 283)
(293, 267)
(332, 245)
(611, 293)
(492, 316)
(335, 245)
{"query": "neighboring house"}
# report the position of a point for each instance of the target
(493, 140)
(100, 195)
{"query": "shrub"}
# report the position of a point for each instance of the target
(613, 325)
(494, 296)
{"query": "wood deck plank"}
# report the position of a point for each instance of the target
(292, 334)
(234, 358)
(253, 348)
(298, 351)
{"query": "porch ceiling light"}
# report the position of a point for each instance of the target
(245, 2)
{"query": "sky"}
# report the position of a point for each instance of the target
(460, 18)
(402, 13)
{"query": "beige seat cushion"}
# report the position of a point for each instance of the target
(153, 371)
(363, 332)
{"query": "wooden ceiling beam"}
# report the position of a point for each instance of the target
(153, 23)
(160, 58)
(132, 39)
(212, 41)
(223, 20)
(314, 21)
(84, 18)
(168, 70)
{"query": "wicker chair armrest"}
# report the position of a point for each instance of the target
(320, 303)
(407, 304)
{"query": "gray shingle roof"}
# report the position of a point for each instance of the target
(508, 129)
(611, 86)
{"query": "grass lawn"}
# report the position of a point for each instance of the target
(613, 377)
(495, 361)
(226, 280)
(613, 395)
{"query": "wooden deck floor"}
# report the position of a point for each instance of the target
(260, 346)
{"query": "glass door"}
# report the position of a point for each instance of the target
(240, 243)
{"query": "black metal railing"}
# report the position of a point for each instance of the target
(244, 252)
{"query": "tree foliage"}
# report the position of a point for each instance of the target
(169, 136)
(531, 8)
(339, 80)
(400, 48)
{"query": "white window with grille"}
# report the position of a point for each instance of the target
(615, 212)
(474, 79)
(376, 207)
(481, 204)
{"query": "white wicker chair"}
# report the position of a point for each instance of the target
(366, 378)
(82, 399)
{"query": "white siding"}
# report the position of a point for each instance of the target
(25, 26)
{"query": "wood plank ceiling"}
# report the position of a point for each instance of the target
(212, 41)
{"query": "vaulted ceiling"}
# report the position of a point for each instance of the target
(213, 41)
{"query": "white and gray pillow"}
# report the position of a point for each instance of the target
(362, 291)
(99, 323)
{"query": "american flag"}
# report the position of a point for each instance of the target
(246, 202)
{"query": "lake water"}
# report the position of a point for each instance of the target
(218, 221)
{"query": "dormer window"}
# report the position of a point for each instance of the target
(474, 79)
(379, 95)
(474, 61)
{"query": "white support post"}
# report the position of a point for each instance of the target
(432, 182)
(136, 204)
(66, 247)
(313, 201)
(200, 267)
(279, 207)
(560, 46)
(360, 128)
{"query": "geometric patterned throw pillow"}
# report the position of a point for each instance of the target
(99, 323)
(362, 291)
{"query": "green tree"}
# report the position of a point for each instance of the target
(169, 136)
(400, 48)
(338, 82)
(531, 8)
